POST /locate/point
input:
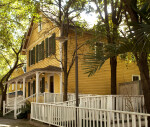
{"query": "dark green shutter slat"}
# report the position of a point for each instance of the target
(42, 50)
(29, 57)
(39, 52)
(53, 44)
(46, 47)
(36, 53)
(50, 45)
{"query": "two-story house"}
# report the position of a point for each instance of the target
(44, 74)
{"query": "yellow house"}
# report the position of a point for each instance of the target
(44, 70)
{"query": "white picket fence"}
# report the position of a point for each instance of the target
(71, 116)
(57, 97)
(114, 102)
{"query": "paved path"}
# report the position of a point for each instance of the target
(19, 123)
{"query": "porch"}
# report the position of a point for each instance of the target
(35, 83)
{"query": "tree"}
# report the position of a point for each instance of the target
(63, 13)
(108, 27)
(136, 41)
(14, 17)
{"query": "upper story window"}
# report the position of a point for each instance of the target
(135, 77)
(40, 24)
(98, 46)
(50, 45)
(32, 56)
(40, 52)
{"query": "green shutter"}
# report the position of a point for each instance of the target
(46, 46)
(29, 57)
(50, 43)
(33, 55)
(37, 54)
(42, 45)
(53, 44)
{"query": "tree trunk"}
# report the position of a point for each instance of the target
(145, 80)
(113, 64)
(3, 95)
(65, 72)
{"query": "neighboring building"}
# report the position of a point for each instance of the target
(44, 72)
(16, 73)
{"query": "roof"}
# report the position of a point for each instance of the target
(48, 69)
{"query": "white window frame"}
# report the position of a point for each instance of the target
(137, 76)
(40, 24)
(12, 86)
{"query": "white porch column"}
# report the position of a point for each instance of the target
(61, 86)
(7, 93)
(24, 85)
(37, 85)
(16, 89)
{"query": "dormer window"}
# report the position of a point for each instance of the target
(40, 24)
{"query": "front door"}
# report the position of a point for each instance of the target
(42, 85)
(51, 84)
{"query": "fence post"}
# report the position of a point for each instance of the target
(44, 97)
(3, 108)
(133, 121)
(109, 102)
(15, 108)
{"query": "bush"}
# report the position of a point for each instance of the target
(25, 111)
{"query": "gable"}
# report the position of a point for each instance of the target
(34, 36)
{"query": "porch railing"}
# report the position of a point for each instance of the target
(114, 102)
(67, 116)
(52, 97)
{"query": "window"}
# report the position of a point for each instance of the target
(50, 45)
(32, 56)
(98, 46)
(40, 52)
(12, 86)
(20, 85)
(135, 77)
(40, 24)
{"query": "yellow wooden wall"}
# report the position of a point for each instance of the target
(99, 83)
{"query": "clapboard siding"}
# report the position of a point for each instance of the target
(100, 82)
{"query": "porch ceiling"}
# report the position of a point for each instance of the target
(48, 69)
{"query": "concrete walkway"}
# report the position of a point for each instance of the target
(20, 123)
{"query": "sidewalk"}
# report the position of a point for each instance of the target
(19, 123)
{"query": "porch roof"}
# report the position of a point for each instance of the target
(48, 69)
